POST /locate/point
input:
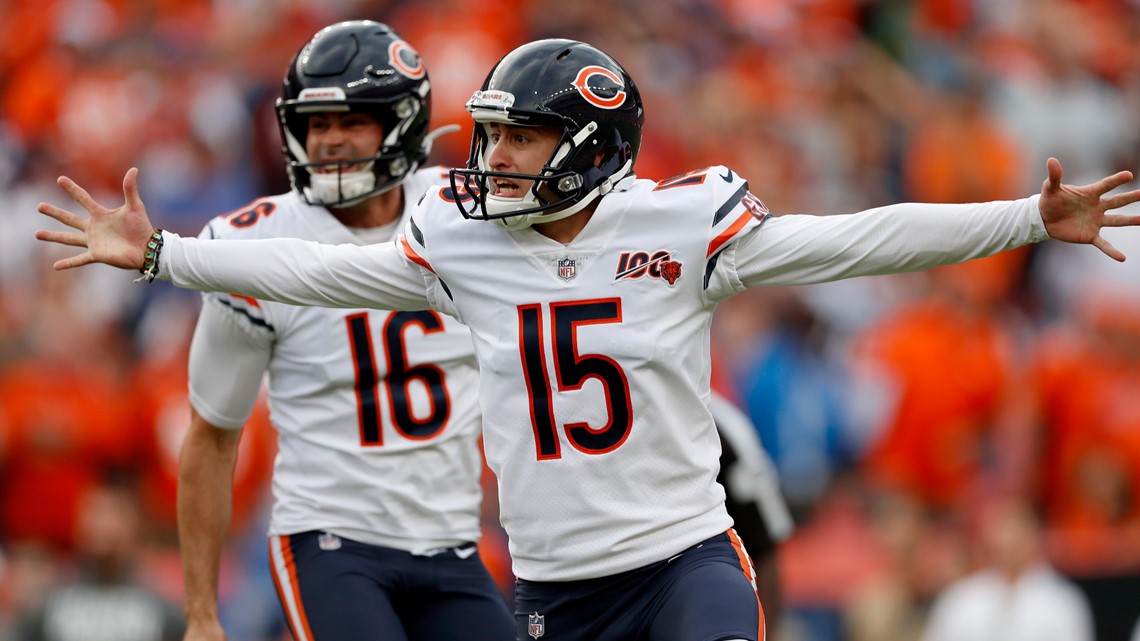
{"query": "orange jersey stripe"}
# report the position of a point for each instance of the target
(727, 234)
(750, 573)
(413, 256)
(288, 590)
(248, 299)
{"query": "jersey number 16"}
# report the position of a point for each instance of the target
(400, 377)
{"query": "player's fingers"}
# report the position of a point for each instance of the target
(1120, 200)
(1100, 243)
(131, 188)
(63, 216)
(78, 193)
(1120, 220)
(62, 237)
(1053, 171)
(75, 261)
(1105, 185)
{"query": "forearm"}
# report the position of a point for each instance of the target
(796, 250)
(294, 271)
(205, 497)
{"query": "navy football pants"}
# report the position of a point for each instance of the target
(706, 593)
(352, 590)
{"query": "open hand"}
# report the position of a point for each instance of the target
(1077, 214)
(115, 237)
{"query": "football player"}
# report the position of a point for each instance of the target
(589, 294)
(376, 488)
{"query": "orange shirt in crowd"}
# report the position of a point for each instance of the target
(945, 372)
(1090, 413)
(63, 427)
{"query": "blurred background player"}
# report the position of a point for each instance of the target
(377, 482)
(753, 499)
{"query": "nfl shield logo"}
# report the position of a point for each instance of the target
(536, 625)
(327, 541)
(566, 268)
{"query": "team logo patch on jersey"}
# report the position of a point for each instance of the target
(328, 542)
(567, 268)
(536, 625)
(659, 264)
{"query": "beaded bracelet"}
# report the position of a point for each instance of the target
(149, 268)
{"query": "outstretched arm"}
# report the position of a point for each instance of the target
(1077, 214)
(286, 270)
(803, 249)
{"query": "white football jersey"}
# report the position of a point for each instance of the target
(377, 411)
(594, 355)
(607, 457)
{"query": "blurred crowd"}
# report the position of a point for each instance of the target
(902, 412)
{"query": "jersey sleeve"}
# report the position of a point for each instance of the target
(296, 272)
(805, 249)
(222, 342)
(736, 213)
(247, 313)
(414, 248)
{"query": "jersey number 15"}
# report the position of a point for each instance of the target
(571, 371)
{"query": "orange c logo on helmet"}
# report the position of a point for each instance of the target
(416, 70)
(581, 83)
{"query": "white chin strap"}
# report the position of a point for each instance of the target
(340, 188)
(337, 189)
(522, 221)
(500, 205)
(343, 189)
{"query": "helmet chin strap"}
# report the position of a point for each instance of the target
(349, 188)
(523, 221)
(295, 147)
(513, 223)
(343, 189)
(340, 189)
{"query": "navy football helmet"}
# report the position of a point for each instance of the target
(364, 66)
(570, 85)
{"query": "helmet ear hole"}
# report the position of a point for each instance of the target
(626, 152)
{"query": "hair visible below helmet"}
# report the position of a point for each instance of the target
(574, 87)
(360, 66)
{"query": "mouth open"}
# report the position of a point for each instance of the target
(507, 188)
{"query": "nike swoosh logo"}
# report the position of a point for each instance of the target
(728, 177)
(463, 553)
